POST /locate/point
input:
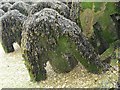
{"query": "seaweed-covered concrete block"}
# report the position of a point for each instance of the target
(21, 7)
(62, 8)
(5, 7)
(10, 29)
(1, 12)
(49, 36)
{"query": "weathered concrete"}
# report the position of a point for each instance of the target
(5, 7)
(62, 8)
(21, 7)
(11, 29)
(49, 36)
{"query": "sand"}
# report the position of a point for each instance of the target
(13, 74)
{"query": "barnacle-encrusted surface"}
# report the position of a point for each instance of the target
(21, 7)
(5, 7)
(10, 29)
(62, 8)
(75, 9)
(48, 35)
(70, 10)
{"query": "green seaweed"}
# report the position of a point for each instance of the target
(107, 24)
(86, 5)
(89, 66)
(58, 61)
(109, 52)
(66, 45)
(99, 12)
(90, 15)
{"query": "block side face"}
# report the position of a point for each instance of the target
(11, 28)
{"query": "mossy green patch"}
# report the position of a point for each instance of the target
(58, 60)
(59, 64)
(110, 50)
(107, 24)
(86, 5)
(66, 45)
(107, 53)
